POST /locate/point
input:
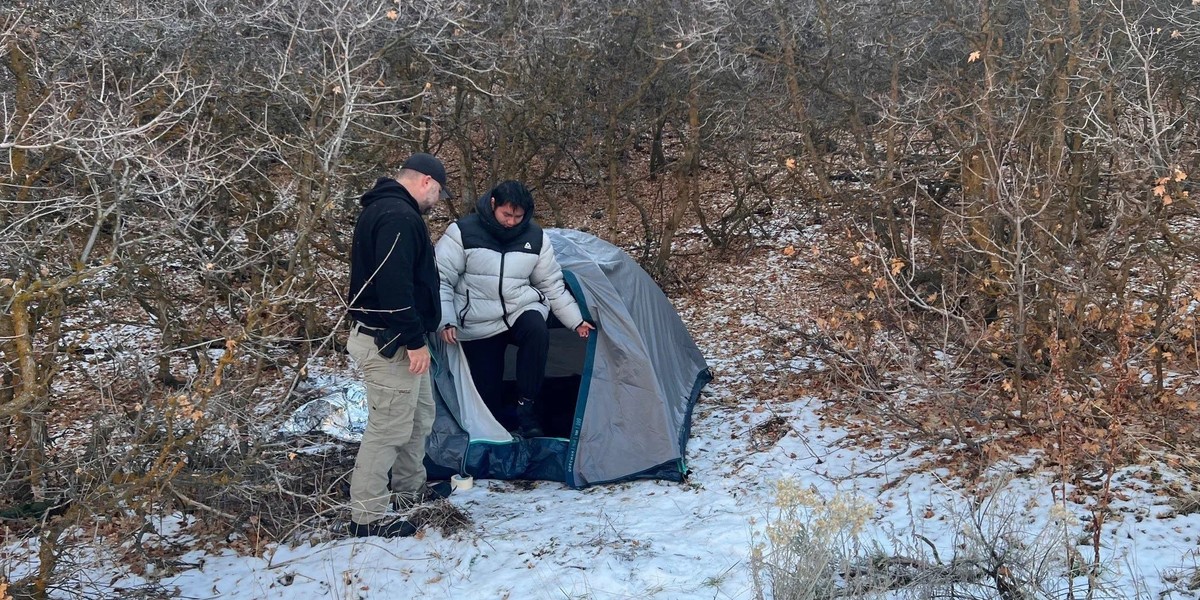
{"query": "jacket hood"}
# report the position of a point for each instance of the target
(386, 187)
(483, 206)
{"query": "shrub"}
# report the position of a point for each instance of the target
(809, 546)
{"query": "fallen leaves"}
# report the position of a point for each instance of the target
(769, 432)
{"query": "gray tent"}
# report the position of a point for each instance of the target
(618, 405)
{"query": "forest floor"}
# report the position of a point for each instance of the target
(774, 413)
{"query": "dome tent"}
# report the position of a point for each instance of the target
(617, 405)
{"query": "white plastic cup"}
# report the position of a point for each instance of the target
(461, 482)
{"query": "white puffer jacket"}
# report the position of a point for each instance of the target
(487, 283)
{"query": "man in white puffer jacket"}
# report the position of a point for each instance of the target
(499, 282)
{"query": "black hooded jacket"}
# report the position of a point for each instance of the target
(393, 277)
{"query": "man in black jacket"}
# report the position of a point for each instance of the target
(394, 303)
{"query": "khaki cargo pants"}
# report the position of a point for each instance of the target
(399, 418)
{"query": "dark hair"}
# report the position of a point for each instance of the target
(514, 193)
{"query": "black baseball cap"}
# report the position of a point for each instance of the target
(431, 166)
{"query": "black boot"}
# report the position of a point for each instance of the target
(383, 528)
(527, 421)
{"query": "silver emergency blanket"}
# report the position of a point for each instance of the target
(340, 413)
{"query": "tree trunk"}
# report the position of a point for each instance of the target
(686, 181)
(27, 411)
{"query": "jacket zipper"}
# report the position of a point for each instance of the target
(503, 304)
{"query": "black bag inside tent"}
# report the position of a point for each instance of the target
(615, 406)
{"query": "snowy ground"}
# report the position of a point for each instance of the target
(663, 540)
(693, 540)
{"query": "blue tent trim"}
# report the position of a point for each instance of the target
(533, 458)
(589, 363)
(702, 379)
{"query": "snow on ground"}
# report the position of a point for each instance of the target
(651, 539)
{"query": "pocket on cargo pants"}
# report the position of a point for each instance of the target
(391, 391)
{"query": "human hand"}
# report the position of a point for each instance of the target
(450, 334)
(583, 329)
(418, 360)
